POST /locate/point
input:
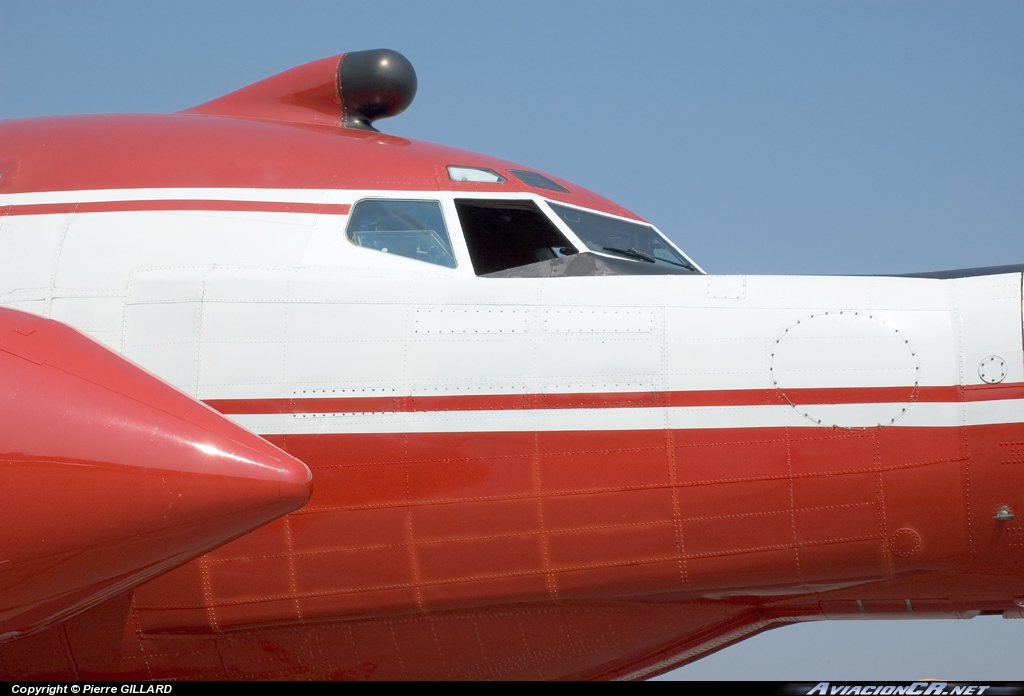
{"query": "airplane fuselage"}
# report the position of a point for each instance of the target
(537, 476)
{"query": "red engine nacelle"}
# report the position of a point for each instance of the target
(111, 476)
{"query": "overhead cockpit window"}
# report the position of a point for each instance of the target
(537, 180)
(630, 240)
(503, 234)
(414, 229)
(475, 174)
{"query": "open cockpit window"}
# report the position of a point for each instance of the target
(503, 234)
(414, 229)
(629, 240)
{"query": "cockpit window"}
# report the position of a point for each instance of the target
(475, 174)
(503, 234)
(537, 180)
(630, 240)
(414, 229)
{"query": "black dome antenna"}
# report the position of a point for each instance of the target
(374, 84)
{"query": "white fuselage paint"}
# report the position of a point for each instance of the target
(280, 305)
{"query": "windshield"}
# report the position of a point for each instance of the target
(631, 240)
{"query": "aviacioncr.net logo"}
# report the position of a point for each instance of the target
(936, 688)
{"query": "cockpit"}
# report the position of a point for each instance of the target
(518, 235)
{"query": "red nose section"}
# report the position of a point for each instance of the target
(109, 476)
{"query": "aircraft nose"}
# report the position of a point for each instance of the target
(111, 476)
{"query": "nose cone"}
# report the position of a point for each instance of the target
(111, 477)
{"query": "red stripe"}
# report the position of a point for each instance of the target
(993, 392)
(821, 395)
(215, 205)
(730, 397)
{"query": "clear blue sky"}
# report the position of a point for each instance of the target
(764, 137)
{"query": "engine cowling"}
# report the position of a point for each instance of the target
(111, 476)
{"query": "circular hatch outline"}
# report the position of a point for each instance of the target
(802, 409)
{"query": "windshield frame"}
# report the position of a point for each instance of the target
(625, 254)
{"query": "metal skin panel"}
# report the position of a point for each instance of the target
(571, 477)
(37, 237)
